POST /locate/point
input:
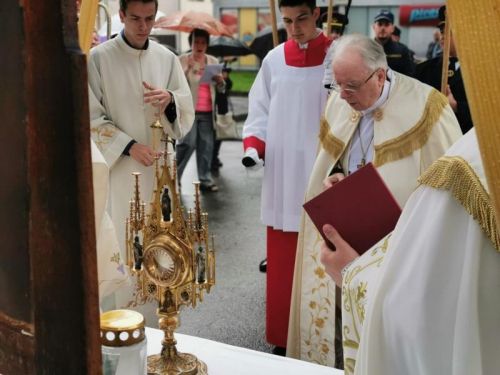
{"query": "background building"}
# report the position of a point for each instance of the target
(414, 18)
(247, 17)
(177, 40)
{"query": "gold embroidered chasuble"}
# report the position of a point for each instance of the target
(413, 128)
(465, 181)
(358, 281)
(425, 299)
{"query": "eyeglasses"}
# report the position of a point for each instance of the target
(350, 88)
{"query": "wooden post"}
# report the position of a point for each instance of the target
(479, 55)
(49, 307)
(329, 16)
(86, 23)
(272, 7)
(446, 54)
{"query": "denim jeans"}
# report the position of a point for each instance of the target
(201, 139)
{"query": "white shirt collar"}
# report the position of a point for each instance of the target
(306, 44)
(383, 97)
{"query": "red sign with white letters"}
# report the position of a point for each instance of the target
(419, 15)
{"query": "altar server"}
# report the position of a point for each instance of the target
(285, 105)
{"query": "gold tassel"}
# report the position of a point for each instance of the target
(412, 140)
(457, 176)
(329, 142)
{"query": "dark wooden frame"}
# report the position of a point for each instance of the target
(49, 318)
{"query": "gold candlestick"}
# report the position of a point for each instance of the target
(157, 130)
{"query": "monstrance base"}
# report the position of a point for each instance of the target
(181, 364)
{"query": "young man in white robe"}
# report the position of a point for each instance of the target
(425, 299)
(374, 115)
(282, 127)
(132, 83)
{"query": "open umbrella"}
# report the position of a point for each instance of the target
(226, 46)
(189, 20)
(263, 41)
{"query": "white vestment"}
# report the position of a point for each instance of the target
(110, 267)
(285, 106)
(118, 114)
(413, 128)
(433, 307)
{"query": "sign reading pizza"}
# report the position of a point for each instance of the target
(419, 15)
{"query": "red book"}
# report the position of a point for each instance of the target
(361, 208)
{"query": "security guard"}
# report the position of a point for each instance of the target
(398, 55)
(430, 72)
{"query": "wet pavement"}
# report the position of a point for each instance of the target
(234, 312)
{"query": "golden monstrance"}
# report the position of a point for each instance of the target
(172, 256)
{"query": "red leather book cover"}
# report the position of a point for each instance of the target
(360, 207)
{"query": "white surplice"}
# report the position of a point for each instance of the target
(285, 106)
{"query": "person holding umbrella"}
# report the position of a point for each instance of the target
(263, 41)
(201, 136)
(285, 106)
(222, 104)
(223, 46)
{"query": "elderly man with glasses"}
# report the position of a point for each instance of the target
(373, 115)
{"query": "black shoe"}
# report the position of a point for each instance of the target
(247, 161)
(279, 350)
(210, 188)
(216, 165)
(263, 266)
(215, 172)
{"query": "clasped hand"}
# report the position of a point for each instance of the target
(332, 180)
(335, 260)
(218, 79)
(143, 154)
(451, 99)
(157, 97)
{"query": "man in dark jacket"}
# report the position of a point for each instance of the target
(398, 55)
(430, 72)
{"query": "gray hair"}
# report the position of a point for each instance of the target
(371, 52)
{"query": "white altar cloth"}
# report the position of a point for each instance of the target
(223, 359)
